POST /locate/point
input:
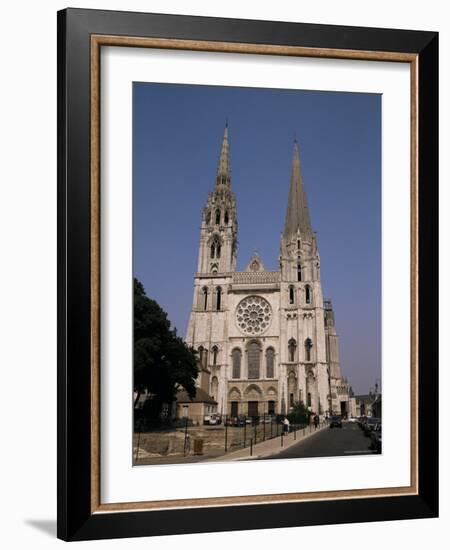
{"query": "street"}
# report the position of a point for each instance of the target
(345, 441)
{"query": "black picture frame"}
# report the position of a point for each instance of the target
(76, 520)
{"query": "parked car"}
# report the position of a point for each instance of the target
(375, 438)
(370, 424)
(361, 421)
(214, 420)
(352, 419)
(335, 422)
(236, 421)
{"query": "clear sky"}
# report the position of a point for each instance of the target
(177, 133)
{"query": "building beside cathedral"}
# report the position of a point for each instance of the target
(266, 339)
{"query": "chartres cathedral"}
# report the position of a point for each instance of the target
(266, 339)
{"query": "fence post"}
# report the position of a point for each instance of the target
(281, 439)
(139, 440)
(256, 426)
(295, 433)
(271, 422)
(185, 433)
(226, 432)
(264, 427)
(251, 446)
(245, 429)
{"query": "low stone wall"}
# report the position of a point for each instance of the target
(171, 442)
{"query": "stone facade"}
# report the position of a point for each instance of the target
(266, 339)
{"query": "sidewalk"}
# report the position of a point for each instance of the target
(271, 447)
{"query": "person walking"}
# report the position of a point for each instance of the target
(286, 424)
(316, 421)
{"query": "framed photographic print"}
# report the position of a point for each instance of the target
(247, 274)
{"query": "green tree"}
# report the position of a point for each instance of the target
(299, 414)
(162, 360)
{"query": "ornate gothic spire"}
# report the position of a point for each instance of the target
(223, 168)
(297, 214)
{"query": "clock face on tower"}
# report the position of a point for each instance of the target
(253, 315)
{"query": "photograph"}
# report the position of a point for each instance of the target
(257, 234)
(247, 274)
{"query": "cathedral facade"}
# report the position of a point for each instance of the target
(266, 340)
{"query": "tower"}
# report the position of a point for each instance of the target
(302, 339)
(207, 329)
(218, 234)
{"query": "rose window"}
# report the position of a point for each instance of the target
(253, 315)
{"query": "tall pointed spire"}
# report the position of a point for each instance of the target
(223, 168)
(297, 214)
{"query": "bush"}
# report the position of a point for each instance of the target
(299, 414)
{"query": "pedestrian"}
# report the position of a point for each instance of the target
(316, 421)
(286, 425)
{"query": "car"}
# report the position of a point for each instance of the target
(335, 422)
(362, 421)
(352, 419)
(213, 420)
(236, 421)
(375, 438)
(370, 424)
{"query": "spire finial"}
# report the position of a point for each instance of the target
(223, 168)
(297, 214)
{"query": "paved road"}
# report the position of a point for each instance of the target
(348, 440)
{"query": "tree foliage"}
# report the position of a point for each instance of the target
(299, 414)
(162, 360)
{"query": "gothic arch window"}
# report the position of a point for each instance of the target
(218, 298)
(291, 295)
(217, 217)
(215, 248)
(299, 272)
(298, 244)
(270, 361)
(292, 346)
(214, 387)
(308, 346)
(226, 217)
(205, 298)
(236, 356)
(215, 354)
(202, 356)
(208, 218)
(253, 360)
(308, 294)
(292, 388)
(308, 399)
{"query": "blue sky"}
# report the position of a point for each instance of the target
(177, 133)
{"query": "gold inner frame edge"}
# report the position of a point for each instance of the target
(97, 41)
